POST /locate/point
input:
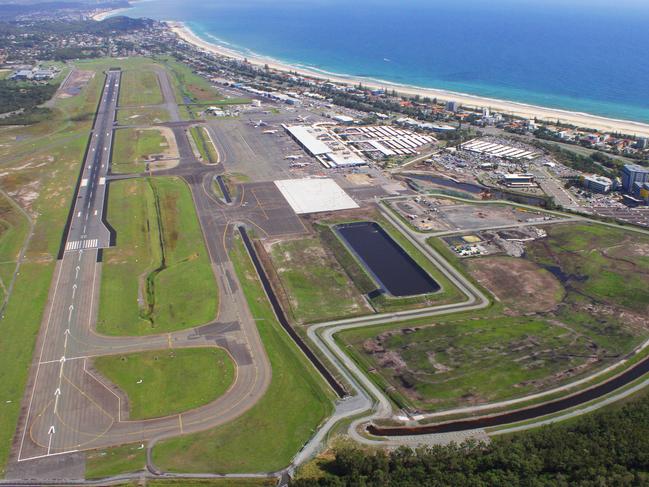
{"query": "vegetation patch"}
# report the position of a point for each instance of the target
(139, 87)
(118, 460)
(520, 285)
(574, 303)
(157, 384)
(158, 278)
(13, 230)
(604, 448)
(314, 285)
(142, 116)
(135, 148)
(266, 437)
(204, 145)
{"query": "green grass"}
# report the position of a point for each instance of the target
(315, 286)
(190, 87)
(205, 146)
(267, 436)
(487, 360)
(216, 482)
(160, 259)
(139, 87)
(164, 388)
(13, 231)
(114, 461)
(142, 116)
(133, 146)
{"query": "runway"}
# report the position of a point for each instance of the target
(67, 407)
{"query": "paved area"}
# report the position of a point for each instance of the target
(68, 408)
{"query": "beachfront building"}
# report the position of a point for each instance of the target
(597, 184)
(633, 177)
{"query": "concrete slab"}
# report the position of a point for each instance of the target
(315, 195)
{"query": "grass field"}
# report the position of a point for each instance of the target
(164, 388)
(158, 278)
(573, 304)
(14, 227)
(204, 145)
(267, 436)
(190, 88)
(314, 285)
(216, 482)
(139, 87)
(114, 461)
(133, 146)
(142, 116)
(39, 166)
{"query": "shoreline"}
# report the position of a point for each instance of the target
(579, 119)
(104, 14)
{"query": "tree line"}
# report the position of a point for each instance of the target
(608, 448)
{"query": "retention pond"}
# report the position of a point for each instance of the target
(391, 266)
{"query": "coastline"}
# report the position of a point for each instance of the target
(104, 14)
(584, 120)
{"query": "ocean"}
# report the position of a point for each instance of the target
(586, 56)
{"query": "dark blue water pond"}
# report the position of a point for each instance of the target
(385, 260)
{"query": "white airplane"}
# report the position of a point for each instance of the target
(261, 123)
(269, 132)
(293, 157)
(303, 119)
(299, 164)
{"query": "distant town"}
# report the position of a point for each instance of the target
(573, 168)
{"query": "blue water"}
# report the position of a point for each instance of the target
(589, 56)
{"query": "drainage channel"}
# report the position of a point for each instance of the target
(522, 414)
(224, 189)
(281, 317)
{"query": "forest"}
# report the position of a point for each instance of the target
(609, 448)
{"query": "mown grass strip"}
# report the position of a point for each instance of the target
(266, 437)
(156, 382)
(159, 277)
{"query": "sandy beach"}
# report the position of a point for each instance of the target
(104, 14)
(520, 109)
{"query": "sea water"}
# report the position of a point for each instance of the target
(587, 56)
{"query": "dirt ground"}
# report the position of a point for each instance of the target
(74, 83)
(169, 156)
(517, 282)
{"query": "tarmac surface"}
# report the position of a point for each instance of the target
(68, 408)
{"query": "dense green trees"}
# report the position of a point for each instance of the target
(603, 449)
(15, 95)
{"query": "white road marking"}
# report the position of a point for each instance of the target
(57, 393)
(73, 245)
(91, 244)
